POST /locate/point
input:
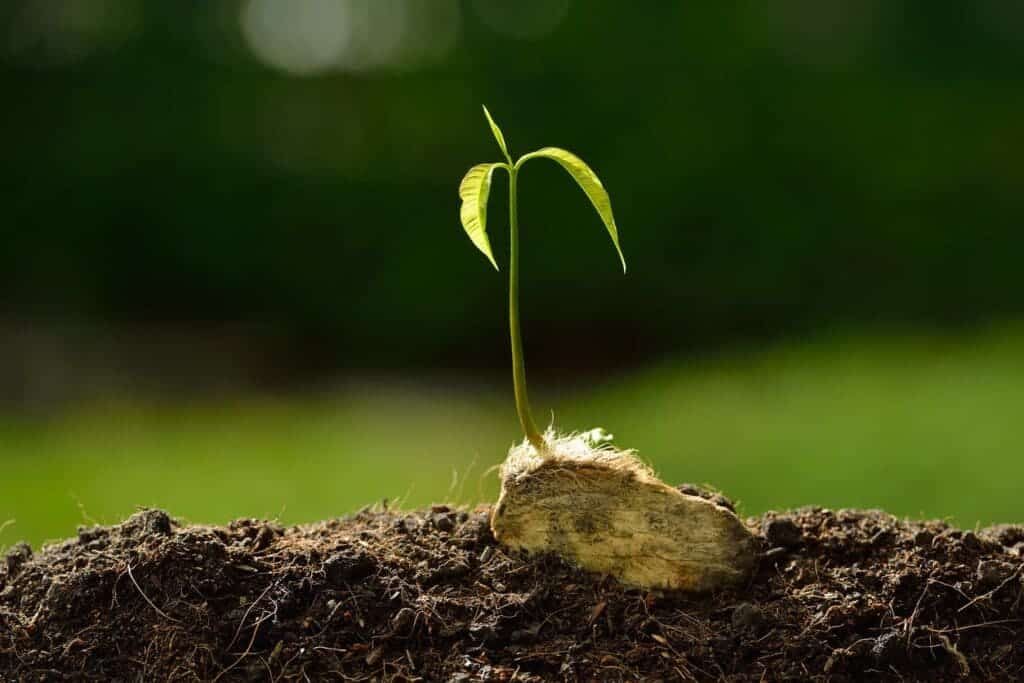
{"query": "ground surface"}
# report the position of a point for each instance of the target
(907, 424)
(846, 595)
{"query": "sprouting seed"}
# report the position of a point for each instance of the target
(474, 191)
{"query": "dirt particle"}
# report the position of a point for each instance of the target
(264, 538)
(348, 565)
(597, 611)
(374, 655)
(15, 557)
(148, 522)
(923, 538)
(1008, 535)
(443, 520)
(886, 648)
(782, 532)
(971, 542)
(525, 635)
(747, 617)
(406, 524)
(477, 529)
(484, 632)
(991, 573)
(403, 620)
(446, 573)
(882, 537)
(88, 534)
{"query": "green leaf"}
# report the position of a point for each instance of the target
(591, 184)
(497, 134)
(474, 190)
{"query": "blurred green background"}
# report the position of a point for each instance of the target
(233, 282)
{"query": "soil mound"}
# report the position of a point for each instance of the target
(839, 595)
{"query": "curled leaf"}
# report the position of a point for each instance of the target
(589, 182)
(474, 190)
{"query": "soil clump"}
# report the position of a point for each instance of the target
(845, 595)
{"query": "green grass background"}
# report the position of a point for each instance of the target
(919, 425)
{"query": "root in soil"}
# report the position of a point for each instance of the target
(837, 595)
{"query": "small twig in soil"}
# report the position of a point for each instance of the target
(909, 624)
(248, 651)
(950, 587)
(245, 616)
(970, 627)
(146, 597)
(995, 590)
(285, 667)
(355, 605)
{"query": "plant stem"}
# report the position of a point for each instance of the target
(518, 365)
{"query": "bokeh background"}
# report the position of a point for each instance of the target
(233, 280)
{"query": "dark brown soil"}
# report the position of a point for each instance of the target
(839, 595)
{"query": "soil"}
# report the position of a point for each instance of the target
(841, 595)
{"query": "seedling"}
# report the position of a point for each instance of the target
(576, 495)
(474, 191)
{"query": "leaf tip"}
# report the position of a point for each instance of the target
(498, 135)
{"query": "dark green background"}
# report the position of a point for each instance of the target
(229, 289)
(773, 169)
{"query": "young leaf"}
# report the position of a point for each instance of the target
(497, 134)
(474, 190)
(590, 183)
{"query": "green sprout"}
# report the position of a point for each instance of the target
(474, 190)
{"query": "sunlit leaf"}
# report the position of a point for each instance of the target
(497, 132)
(590, 183)
(474, 190)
